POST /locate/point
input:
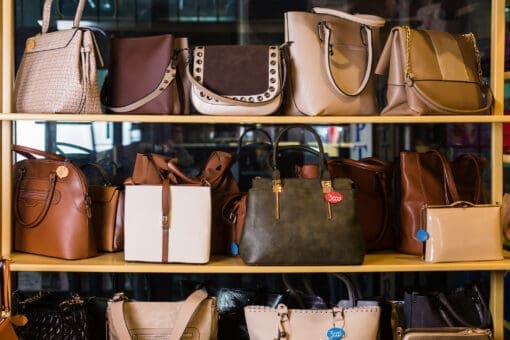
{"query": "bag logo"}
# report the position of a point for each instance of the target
(333, 197)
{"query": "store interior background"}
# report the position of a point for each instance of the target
(114, 145)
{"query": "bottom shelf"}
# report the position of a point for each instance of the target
(114, 262)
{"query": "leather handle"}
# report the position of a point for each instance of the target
(326, 52)
(351, 288)
(323, 172)
(456, 315)
(98, 167)
(188, 309)
(30, 153)
(46, 206)
(47, 15)
(363, 19)
(450, 186)
(479, 196)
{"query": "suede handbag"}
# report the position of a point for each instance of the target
(332, 56)
(51, 207)
(237, 80)
(432, 72)
(312, 221)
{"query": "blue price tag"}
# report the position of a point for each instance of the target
(335, 333)
(422, 235)
(234, 248)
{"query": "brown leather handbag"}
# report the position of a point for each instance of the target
(6, 324)
(107, 212)
(144, 76)
(433, 72)
(429, 179)
(51, 207)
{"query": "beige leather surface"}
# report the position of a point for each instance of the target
(463, 233)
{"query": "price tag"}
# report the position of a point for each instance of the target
(422, 235)
(335, 333)
(333, 197)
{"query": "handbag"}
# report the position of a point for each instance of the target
(443, 333)
(107, 205)
(432, 72)
(144, 76)
(506, 217)
(451, 229)
(346, 319)
(237, 80)
(58, 73)
(167, 224)
(303, 217)
(332, 54)
(194, 318)
(51, 207)
(427, 179)
(6, 325)
(52, 316)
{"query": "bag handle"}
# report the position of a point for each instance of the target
(479, 196)
(98, 167)
(449, 182)
(30, 153)
(47, 14)
(446, 311)
(228, 101)
(47, 200)
(367, 22)
(186, 312)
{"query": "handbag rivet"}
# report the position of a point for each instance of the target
(199, 61)
(161, 88)
(242, 99)
(30, 44)
(209, 98)
(62, 171)
(260, 98)
(272, 80)
(198, 69)
(273, 62)
(251, 99)
(273, 55)
(202, 94)
(272, 47)
(273, 71)
(272, 89)
(198, 78)
(267, 95)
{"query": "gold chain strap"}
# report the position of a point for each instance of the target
(470, 36)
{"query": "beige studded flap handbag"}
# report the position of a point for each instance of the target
(57, 73)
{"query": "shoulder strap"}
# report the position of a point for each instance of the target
(30, 153)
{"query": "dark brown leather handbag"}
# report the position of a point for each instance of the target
(432, 72)
(51, 207)
(373, 179)
(154, 168)
(107, 212)
(237, 80)
(297, 221)
(144, 76)
(429, 179)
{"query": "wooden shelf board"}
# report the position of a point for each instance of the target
(274, 119)
(114, 262)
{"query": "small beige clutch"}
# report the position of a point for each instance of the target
(461, 231)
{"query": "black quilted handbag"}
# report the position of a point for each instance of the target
(52, 317)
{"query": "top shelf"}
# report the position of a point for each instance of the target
(272, 119)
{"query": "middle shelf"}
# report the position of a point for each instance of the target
(114, 262)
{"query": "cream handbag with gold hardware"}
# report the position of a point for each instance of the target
(57, 73)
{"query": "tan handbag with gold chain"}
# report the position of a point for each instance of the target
(57, 73)
(433, 72)
(332, 54)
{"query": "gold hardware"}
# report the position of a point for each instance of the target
(62, 171)
(327, 187)
(407, 71)
(471, 37)
(277, 188)
(30, 44)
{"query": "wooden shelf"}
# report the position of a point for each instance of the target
(273, 119)
(114, 262)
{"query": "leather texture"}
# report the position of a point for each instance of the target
(194, 318)
(332, 55)
(6, 330)
(51, 207)
(292, 214)
(143, 76)
(431, 72)
(358, 318)
(189, 232)
(58, 70)
(463, 232)
(237, 80)
(427, 179)
(444, 333)
(373, 179)
(6, 327)
(107, 203)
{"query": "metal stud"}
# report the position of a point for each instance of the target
(271, 88)
(199, 61)
(259, 98)
(251, 99)
(202, 94)
(242, 99)
(209, 98)
(273, 62)
(273, 55)
(198, 78)
(198, 69)
(272, 80)
(272, 47)
(267, 95)
(273, 71)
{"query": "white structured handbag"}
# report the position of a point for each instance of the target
(182, 234)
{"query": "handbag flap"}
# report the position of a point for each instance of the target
(51, 41)
(137, 67)
(247, 73)
(104, 194)
(438, 55)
